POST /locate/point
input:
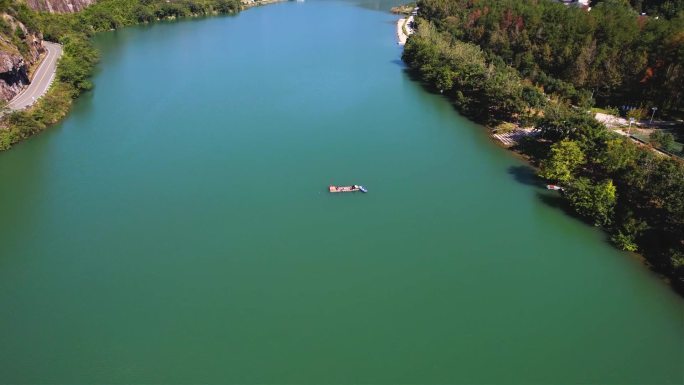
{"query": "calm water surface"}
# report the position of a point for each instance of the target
(175, 228)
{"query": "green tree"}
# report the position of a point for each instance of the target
(625, 235)
(661, 139)
(143, 14)
(619, 154)
(560, 122)
(636, 113)
(594, 201)
(565, 157)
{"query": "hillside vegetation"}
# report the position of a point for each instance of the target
(611, 53)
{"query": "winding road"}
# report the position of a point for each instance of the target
(41, 79)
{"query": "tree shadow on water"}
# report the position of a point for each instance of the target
(555, 200)
(400, 63)
(526, 175)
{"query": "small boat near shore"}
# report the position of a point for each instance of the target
(554, 187)
(353, 188)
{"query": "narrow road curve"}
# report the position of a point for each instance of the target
(41, 79)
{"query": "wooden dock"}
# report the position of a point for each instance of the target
(512, 138)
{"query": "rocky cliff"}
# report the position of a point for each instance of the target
(59, 6)
(20, 49)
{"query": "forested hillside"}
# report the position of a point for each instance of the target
(611, 52)
(666, 8)
(537, 64)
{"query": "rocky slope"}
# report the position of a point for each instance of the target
(59, 6)
(19, 50)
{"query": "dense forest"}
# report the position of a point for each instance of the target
(666, 8)
(507, 63)
(610, 53)
(73, 31)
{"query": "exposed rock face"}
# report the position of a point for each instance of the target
(15, 61)
(59, 6)
(13, 75)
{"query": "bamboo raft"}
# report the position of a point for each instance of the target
(353, 188)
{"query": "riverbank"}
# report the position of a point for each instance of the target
(73, 72)
(517, 143)
(609, 180)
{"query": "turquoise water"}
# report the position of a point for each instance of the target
(176, 227)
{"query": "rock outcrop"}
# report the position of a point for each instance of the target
(19, 50)
(13, 75)
(59, 6)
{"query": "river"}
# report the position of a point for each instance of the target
(176, 228)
